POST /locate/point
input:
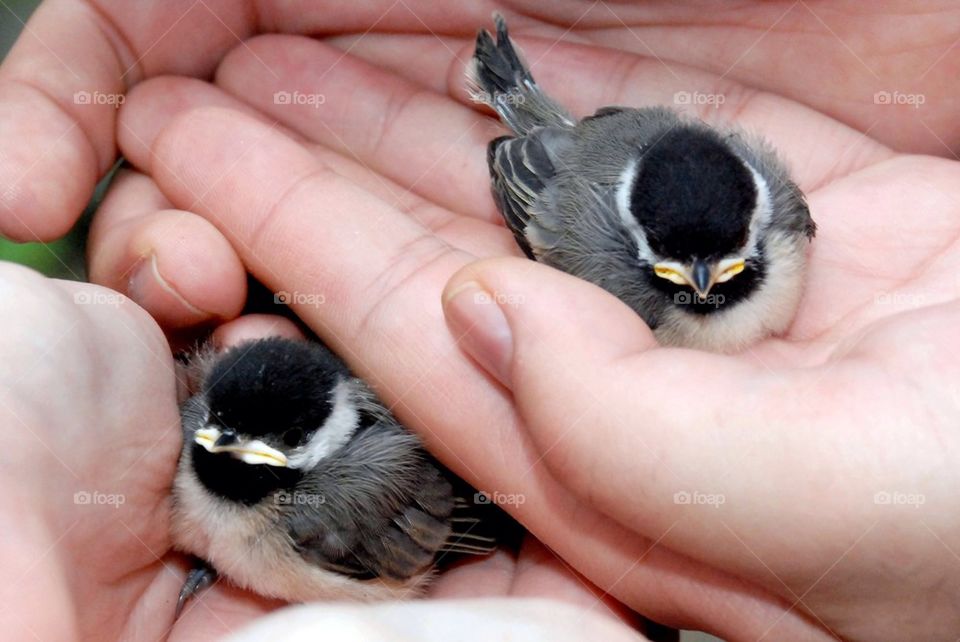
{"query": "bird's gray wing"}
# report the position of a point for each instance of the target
(377, 509)
(521, 169)
(383, 507)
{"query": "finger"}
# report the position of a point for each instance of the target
(381, 312)
(185, 293)
(817, 148)
(412, 55)
(152, 104)
(380, 119)
(406, 55)
(858, 70)
(534, 573)
(155, 103)
(586, 77)
(61, 82)
(174, 264)
(60, 86)
(608, 412)
(541, 573)
(486, 576)
(254, 326)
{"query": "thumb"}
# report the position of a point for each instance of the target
(636, 430)
(510, 315)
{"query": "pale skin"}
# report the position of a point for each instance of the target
(91, 412)
(567, 401)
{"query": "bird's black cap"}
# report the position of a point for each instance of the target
(275, 388)
(692, 195)
(273, 385)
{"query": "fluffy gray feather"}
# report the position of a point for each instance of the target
(563, 187)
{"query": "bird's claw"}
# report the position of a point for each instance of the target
(201, 576)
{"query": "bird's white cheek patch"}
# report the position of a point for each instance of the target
(334, 433)
(673, 272)
(762, 213)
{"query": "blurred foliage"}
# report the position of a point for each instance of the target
(13, 13)
(62, 258)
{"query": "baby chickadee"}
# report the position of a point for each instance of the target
(701, 232)
(295, 482)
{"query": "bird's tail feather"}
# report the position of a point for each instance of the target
(498, 77)
(478, 525)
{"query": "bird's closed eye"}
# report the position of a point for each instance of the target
(670, 274)
(729, 269)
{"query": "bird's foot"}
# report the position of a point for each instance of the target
(199, 577)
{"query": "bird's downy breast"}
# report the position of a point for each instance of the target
(767, 311)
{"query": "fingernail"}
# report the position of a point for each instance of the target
(480, 328)
(148, 287)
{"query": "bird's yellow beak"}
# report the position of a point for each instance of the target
(252, 451)
(699, 275)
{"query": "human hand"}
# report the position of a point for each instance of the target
(93, 440)
(884, 68)
(58, 94)
(290, 208)
(92, 433)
